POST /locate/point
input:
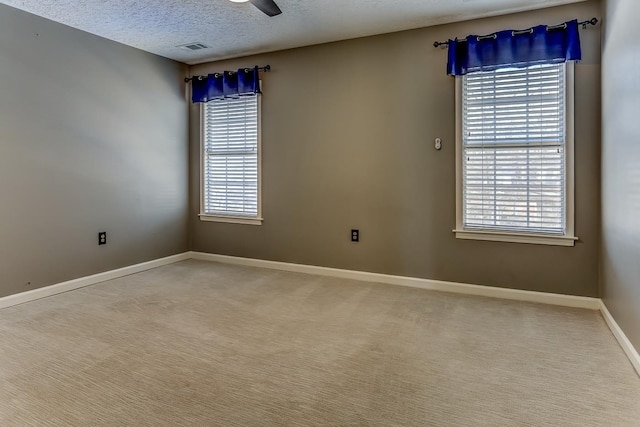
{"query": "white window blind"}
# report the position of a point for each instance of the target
(231, 157)
(513, 142)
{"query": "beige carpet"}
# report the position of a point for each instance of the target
(198, 343)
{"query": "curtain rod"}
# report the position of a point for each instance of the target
(592, 21)
(188, 79)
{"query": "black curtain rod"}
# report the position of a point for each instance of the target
(188, 79)
(592, 21)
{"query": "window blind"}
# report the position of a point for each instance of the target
(231, 156)
(514, 149)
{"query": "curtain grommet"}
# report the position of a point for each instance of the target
(492, 36)
(559, 27)
(522, 32)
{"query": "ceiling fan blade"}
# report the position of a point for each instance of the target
(267, 6)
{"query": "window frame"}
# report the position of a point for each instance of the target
(231, 219)
(568, 238)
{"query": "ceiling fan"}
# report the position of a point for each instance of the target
(266, 6)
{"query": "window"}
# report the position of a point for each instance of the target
(515, 155)
(231, 160)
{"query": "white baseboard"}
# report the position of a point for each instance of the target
(434, 285)
(438, 285)
(622, 339)
(81, 282)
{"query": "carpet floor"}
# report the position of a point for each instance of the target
(205, 344)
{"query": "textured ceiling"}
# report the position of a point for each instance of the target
(238, 29)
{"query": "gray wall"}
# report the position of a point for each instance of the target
(348, 133)
(621, 166)
(92, 137)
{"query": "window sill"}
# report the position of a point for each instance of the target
(503, 236)
(231, 219)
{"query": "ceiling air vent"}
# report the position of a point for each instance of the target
(193, 46)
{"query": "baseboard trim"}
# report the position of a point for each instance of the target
(438, 285)
(622, 339)
(81, 282)
(414, 282)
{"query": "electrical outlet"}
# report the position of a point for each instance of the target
(102, 238)
(355, 235)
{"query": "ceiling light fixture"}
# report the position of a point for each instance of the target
(239, 1)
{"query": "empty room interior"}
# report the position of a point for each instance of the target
(256, 213)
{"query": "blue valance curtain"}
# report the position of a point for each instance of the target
(538, 45)
(229, 84)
